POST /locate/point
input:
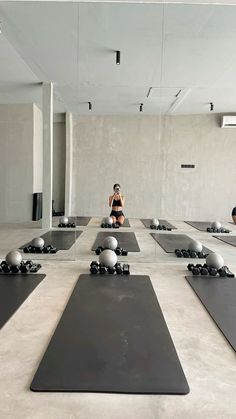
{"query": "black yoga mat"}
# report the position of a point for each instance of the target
(14, 289)
(147, 223)
(199, 225)
(62, 240)
(170, 242)
(227, 239)
(127, 241)
(218, 295)
(112, 337)
(126, 223)
(80, 221)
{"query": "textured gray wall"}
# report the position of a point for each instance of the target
(59, 156)
(144, 154)
(16, 162)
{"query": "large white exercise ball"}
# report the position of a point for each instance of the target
(108, 220)
(38, 242)
(14, 258)
(216, 224)
(64, 220)
(214, 260)
(195, 246)
(108, 258)
(110, 242)
(154, 222)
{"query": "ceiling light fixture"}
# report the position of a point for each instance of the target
(141, 107)
(90, 106)
(117, 57)
(211, 106)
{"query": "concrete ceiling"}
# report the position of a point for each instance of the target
(174, 58)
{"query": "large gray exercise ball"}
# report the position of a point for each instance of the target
(38, 242)
(64, 220)
(195, 246)
(110, 242)
(108, 258)
(214, 260)
(216, 224)
(154, 222)
(14, 258)
(108, 220)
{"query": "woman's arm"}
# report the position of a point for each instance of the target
(122, 200)
(111, 197)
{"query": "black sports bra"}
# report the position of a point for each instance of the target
(116, 203)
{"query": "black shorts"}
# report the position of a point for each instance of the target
(234, 211)
(116, 214)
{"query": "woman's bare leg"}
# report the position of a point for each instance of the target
(121, 219)
(114, 219)
(234, 218)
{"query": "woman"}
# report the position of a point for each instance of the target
(116, 202)
(234, 215)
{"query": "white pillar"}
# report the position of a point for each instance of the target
(69, 164)
(47, 154)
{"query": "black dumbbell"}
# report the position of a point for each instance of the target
(26, 249)
(111, 270)
(185, 254)
(102, 225)
(160, 227)
(99, 250)
(201, 255)
(152, 226)
(126, 269)
(15, 269)
(168, 229)
(6, 268)
(228, 272)
(118, 251)
(196, 271)
(178, 253)
(102, 270)
(3, 263)
(24, 268)
(73, 225)
(94, 267)
(222, 272)
(190, 266)
(124, 252)
(227, 231)
(212, 271)
(163, 227)
(204, 271)
(118, 269)
(193, 255)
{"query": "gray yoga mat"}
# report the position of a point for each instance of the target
(62, 240)
(14, 290)
(227, 239)
(125, 240)
(80, 221)
(112, 338)
(200, 225)
(218, 295)
(170, 242)
(147, 222)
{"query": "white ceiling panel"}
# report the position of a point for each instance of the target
(169, 47)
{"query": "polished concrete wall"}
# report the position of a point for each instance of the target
(144, 154)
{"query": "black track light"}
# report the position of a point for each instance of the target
(211, 106)
(117, 57)
(141, 107)
(90, 106)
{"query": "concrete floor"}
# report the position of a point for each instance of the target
(206, 357)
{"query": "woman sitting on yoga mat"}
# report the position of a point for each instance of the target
(234, 215)
(116, 202)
